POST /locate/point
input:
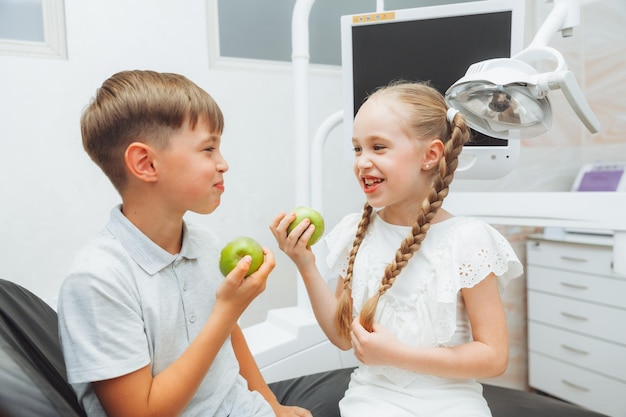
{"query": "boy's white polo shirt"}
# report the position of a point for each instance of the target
(128, 303)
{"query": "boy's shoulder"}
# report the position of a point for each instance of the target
(111, 248)
(99, 256)
(102, 244)
(120, 243)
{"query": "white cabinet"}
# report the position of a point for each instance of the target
(577, 321)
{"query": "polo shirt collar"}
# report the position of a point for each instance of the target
(147, 254)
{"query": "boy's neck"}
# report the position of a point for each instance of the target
(164, 229)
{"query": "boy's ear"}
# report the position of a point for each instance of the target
(139, 162)
(434, 152)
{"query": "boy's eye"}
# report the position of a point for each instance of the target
(209, 149)
(378, 147)
(357, 149)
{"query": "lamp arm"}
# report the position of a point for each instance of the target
(532, 55)
(566, 82)
(563, 17)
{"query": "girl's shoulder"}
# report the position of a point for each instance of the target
(347, 226)
(338, 242)
(475, 248)
(465, 230)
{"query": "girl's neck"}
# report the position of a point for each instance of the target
(399, 215)
(408, 218)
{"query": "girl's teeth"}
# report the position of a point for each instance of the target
(369, 182)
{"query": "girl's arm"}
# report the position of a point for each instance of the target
(139, 394)
(484, 357)
(323, 301)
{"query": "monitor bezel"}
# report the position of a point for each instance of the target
(475, 162)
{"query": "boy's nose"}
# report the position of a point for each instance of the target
(222, 165)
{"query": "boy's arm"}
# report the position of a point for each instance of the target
(250, 371)
(139, 394)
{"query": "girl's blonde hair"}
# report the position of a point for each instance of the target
(427, 113)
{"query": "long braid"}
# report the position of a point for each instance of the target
(454, 134)
(343, 316)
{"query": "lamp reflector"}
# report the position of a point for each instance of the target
(501, 111)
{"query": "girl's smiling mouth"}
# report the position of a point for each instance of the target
(370, 183)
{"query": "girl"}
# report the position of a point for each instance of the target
(418, 297)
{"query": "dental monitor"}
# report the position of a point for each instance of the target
(435, 44)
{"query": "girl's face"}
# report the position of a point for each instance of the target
(389, 162)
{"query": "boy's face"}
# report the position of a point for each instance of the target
(191, 170)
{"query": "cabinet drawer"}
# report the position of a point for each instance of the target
(607, 323)
(573, 257)
(603, 290)
(578, 386)
(593, 354)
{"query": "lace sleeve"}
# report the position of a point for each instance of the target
(474, 250)
(491, 253)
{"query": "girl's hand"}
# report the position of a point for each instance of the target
(375, 348)
(295, 243)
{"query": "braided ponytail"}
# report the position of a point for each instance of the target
(343, 315)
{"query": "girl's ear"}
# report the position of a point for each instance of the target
(432, 154)
(139, 162)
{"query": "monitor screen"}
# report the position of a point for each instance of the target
(435, 44)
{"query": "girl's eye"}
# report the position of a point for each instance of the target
(378, 147)
(210, 149)
(357, 149)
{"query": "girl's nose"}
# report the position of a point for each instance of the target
(363, 162)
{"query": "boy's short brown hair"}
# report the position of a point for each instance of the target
(141, 106)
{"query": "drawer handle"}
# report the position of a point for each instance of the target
(576, 386)
(573, 259)
(575, 286)
(573, 316)
(573, 349)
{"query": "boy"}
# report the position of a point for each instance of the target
(147, 324)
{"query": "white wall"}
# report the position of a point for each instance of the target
(54, 198)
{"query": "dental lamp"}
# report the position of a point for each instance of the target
(507, 98)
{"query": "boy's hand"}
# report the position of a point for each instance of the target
(237, 291)
(294, 244)
(290, 411)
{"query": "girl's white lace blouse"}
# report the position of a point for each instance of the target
(424, 307)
